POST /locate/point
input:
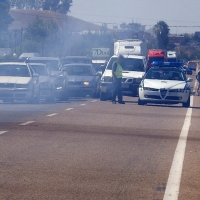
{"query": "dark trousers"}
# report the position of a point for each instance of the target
(117, 90)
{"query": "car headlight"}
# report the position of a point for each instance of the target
(86, 83)
(22, 86)
(107, 79)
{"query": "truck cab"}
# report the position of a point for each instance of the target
(155, 55)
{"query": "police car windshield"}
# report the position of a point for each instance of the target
(165, 74)
(130, 64)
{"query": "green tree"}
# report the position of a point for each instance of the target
(26, 4)
(5, 18)
(40, 35)
(60, 6)
(161, 30)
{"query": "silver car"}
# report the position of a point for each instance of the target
(18, 82)
(83, 79)
(46, 83)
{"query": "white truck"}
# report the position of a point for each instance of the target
(130, 47)
(171, 56)
(134, 67)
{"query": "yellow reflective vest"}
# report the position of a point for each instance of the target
(119, 70)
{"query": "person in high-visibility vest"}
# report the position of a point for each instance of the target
(117, 80)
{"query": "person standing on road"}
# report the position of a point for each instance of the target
(198, 79)
(117, 80)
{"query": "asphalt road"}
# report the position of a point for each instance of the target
(85, 149)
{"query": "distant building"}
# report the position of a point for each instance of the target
(176, 39)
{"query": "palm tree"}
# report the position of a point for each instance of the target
(161, 30)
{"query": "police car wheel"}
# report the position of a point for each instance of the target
(187, 104)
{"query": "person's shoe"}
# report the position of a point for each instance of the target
(121, 102)
(113, 102)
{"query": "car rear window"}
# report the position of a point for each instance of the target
(14, 70)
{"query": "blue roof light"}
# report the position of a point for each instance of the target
(167, 64)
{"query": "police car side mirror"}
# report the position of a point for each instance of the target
(189, 80)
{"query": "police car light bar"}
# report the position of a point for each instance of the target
(167, 64)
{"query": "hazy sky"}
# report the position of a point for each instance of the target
(147, 12)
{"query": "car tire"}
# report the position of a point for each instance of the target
(187, 104)
(141, 103)
(51, 99)
(103, 96)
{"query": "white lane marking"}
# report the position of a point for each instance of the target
(27, 123)
(53, 114)
(2, 132)
(94, 101)
(83, 104)
(174, 179)
(69, 109)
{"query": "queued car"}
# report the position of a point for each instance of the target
(24, 56)
(60, 80)
(192, 65)
(186, 70)
(18, 82)
(83, 79)
(165, 83)
(75, 60)
(46, 83)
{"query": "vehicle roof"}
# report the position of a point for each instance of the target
(78, 64)
(39, 64)
(129, 56)
(98, 61)
(13, 63)
(43, 58)
(77, 57)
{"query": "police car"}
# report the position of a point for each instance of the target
(165, 83)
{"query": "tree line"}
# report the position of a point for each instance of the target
(60, 6)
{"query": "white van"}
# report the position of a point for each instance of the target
(171, 56)
(134, 68)
(130, 47)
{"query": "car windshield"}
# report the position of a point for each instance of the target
(130, 64)
(79, 70)
(52, 65)
(166, 74)
(40, 70)
(14, 70)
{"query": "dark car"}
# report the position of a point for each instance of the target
(83, 79)
(75, 59)
(60, 80)
(187, 70)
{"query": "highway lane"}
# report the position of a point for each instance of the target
(94, 150)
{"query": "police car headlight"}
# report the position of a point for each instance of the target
(106, 79)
